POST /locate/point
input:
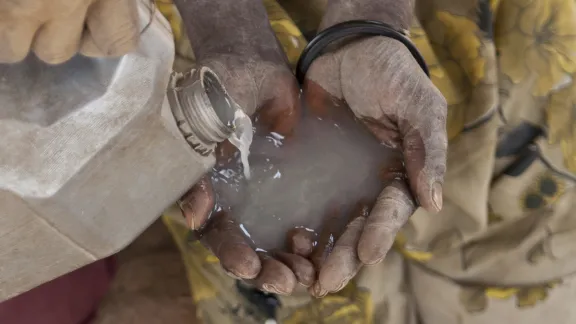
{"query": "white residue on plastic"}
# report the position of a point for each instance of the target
(242, 138)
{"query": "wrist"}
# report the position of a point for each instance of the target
(396, 13)
(215, 27)
(356, 34)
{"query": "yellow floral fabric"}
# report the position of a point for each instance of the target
(506, 69)
(351, 306)
(560, 113)
(537, 41)
(289, 35)
(461, 64)
(537, 38)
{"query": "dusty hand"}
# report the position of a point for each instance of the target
(56, 30)
(278, 272)
(243, 51)
(389, 92)
(278, 112)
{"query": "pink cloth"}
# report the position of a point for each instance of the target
(70, 299)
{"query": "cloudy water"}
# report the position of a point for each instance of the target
(292, 182)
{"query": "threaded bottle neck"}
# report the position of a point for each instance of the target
(203, 110)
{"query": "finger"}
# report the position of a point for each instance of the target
(197, 203)
(16, 38)
(330, 230)
(113, 28)
(275, 277)
(300, 241)
(227, 242)
(88, 46)
(300, 266)
(392, 209)
(424, 146)
(59, 40)
(343, 263)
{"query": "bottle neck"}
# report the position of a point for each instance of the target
(203, 110)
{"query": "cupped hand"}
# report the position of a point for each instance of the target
(244, 53)
(278, 111)
(389, 92)
(276, 271)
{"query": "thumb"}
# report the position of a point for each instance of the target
(196, 205)
(424, 144)
(113, 27)
(392, 209)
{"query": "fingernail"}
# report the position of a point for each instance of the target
(272, 289)
(266, 288)
(318, 291)
(437, 196)
(231, 275)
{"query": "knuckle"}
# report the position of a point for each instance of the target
(243, 266)
(371, 252)
(122, 42)
(395, 213)
(413, 141)
(346, 249)
(385, 227)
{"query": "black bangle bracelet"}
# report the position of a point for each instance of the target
(352, 28)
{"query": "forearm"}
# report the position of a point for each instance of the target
(397, 13)
(220, 27)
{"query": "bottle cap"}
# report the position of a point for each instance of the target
(203, 110)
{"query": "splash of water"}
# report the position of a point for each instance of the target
(242, 139)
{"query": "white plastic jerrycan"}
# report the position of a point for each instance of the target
(92, 151)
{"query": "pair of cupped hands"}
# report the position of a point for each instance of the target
(376, 77)
(390, 94)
